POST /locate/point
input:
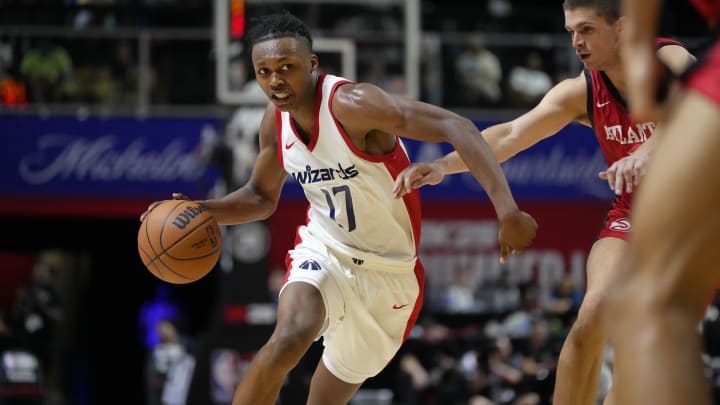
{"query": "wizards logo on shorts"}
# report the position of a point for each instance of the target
(310, 264)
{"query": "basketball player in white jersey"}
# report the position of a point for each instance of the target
(354, 277)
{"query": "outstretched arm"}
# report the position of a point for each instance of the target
(562, 104)
(364, 108)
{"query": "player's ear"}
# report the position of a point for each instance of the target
(619, 24)
(314, 63)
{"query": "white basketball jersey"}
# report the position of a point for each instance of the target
(352, 207)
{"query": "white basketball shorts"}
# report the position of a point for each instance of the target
(369, 313)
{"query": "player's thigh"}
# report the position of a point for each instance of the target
(676, 216)
(605, 265)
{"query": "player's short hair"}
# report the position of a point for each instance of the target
(610, 9)
(277, 25)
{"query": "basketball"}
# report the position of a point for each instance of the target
(179, 241)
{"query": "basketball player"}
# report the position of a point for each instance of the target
(674, 245)
(353, 277)
(594, 98)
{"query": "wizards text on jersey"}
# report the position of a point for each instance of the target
(310, 175)
(637, 134)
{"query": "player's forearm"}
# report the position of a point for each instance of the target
(451, 163)
(641, 21)
(240, 206)
(480, 159)
(496, 138)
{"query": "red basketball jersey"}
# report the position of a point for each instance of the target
(617, 133)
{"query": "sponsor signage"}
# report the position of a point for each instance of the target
(65, 165)
(119, 159)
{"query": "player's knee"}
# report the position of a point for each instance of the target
(589, 327)
(286, 348)
(592, 311)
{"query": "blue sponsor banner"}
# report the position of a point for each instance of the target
(153, 157)
(105, 158)
(562, 167)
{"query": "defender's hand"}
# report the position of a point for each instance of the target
(415, 176)
(626, 173)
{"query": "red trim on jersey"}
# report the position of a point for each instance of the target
(420, 276)
(278, 124)
(660, 42)
(704, 78)
(346, 138)
(395, 162)
(316, 129)
(288, 259)
(298, 240)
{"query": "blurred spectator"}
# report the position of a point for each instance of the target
(507, 295)
(167, 354)
(451, 386)
(479, 74)
(528, 84)
(47, 68)
(37, 318)
(12, 90)
(91, 84)
(540, 353)
(21, 372)
(499, 295)
(460, 295)
(413, 380)
(7, 57)
(519, 323)
(161, 308)
(160, 321)
(124, 70)
(564, 302)
(511, 385)
(38, 312)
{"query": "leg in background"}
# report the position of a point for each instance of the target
(578, 371)
(675, 264)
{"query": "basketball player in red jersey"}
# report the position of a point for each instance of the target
(594, 98)
(353, 276)
(674, 255)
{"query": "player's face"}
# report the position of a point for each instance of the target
(284, 69)
(594, 39)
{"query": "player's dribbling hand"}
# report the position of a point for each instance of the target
(175, 196)
(516, 232)
(626, 172)
(415, 176)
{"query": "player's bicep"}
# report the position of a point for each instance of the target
(563, 104)
(268, 176)
(365, 107)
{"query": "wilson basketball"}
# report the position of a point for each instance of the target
(179, 241)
